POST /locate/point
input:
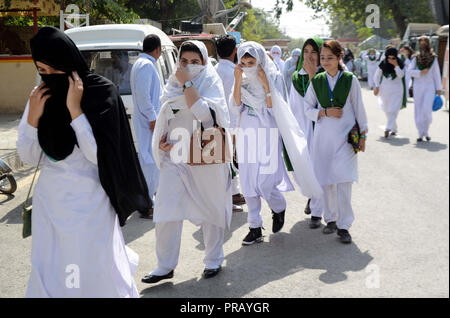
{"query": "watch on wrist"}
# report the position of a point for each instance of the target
(187, 85)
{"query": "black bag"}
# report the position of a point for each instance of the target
(26, 210)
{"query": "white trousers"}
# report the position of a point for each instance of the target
(338, 205)
(168, 241)
(423, 107)
(316, 206)
(370, 77)
(276, 202)
(235, 189)
(151, 174)
(392, 120)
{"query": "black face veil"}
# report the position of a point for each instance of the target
(119, 169)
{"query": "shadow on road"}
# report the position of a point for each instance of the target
(394, 141)
(237, 220)
(281, 255)
(6, 198)
(136, 227)
(15, 215)
(432, 146)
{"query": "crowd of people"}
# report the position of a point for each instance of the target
(400, 74)
(305, 115)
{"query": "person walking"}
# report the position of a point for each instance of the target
(146, 92)
(424, 69)
(75, 127)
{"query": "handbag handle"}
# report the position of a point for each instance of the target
(213, 115)
(32, 182)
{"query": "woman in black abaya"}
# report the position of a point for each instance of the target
(90, 181)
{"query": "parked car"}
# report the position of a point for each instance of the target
(361, 66)
(111, 49)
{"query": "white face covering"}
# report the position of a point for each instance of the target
(194, 70)
(251, 72)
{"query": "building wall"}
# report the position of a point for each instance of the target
(18, 77)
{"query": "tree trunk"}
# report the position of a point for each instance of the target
(399, 18)
(165, 12)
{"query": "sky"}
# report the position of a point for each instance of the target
(299, 22)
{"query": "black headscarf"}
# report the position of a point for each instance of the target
(348, 55)
(388, 68)
(118, 166)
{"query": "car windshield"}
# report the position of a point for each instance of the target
(115, 65)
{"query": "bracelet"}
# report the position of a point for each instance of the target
(268, 95)
(362, 136)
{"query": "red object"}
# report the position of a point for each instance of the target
(35, 26)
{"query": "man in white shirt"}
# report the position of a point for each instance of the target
(227, 51)
(146, 90)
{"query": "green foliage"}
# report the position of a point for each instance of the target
(258, 26)
(400, 11)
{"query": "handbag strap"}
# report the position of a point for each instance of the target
(213, 115)
(32, 182)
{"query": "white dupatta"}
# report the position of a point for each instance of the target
(293, 137)
(209, 86)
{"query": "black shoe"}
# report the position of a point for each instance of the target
(307, 208)
(278, 221)
(428, 138)
(386, 134)
(315, 222)
(238, 199)
(393, 133)
(208, 273)
(330, 228)
(151, 279)
(254, 236)
(344, 236)
(419, 139)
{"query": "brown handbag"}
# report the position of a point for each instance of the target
(210, 146)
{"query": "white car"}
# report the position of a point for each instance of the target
(111, 49)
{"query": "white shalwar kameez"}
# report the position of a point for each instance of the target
(296, 102)
(424, 90)
(77, 245)
(408, 81)
(264, 175)
(146, 91)
(390, 97)
(225, 69)
(372, 66)
(200, 194)
(290, 66)
(335, 162)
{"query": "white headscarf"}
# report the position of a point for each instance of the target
(253, 93)
(290, 66)
(209, 86)
(277, 58)
(293, 137)
(276, 49)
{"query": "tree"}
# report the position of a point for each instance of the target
(400, 11)
(258, 25)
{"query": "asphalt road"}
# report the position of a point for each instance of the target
(400, 236)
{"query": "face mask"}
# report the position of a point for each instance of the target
(250, 72)
(194, 70)
(58, 83)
